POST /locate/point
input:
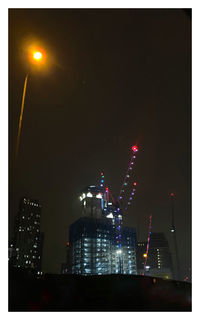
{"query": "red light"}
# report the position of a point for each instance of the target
(134, 183)
(102, 173)
(106, 189)
(172, 194)
(135, 148)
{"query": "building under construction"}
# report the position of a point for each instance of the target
(99, 243)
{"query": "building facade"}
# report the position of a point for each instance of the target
(27, 243)
(159, 261)
(95, 249)
(98, 242)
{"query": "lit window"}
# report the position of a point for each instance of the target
(89, 195)
(99, 196)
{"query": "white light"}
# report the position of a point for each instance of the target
(99, 196)
(80, 198)
(83, 195)
(119, 251)
(172, 230)
(110, 203)
(119, 216)
(110, 215)
(89, 195)
(84, 203)
(147, 267)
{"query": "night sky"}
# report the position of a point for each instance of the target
(117, 77)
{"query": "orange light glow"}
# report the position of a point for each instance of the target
(37, 55)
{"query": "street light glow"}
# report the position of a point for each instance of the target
(37, 55)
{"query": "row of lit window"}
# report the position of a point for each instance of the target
(27, 201)
(28, 229)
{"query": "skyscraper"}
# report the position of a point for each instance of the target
(99, 244)
(159, 262)
(27, 239)
(141, 251)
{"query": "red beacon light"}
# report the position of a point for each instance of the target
(172, 194)
(134, 148)
(134, 183)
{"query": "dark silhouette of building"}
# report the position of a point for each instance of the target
(141, 250)
(66, 266)
(159, 262)
(27, 242)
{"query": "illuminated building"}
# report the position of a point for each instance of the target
(99, 243)
(91, 245)
(28, 240)
(92, 201)
(94, 249)
(129, 245)
(159, 262)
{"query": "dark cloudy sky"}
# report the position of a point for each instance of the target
(118, 77)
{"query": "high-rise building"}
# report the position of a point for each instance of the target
(92, 201)
(99, 243)
(66, 266)
(141, 251)
(91, 246)
(27, 242)
(129, 248)
(159, 262)
(94, 250)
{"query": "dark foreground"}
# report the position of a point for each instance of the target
(96, 293)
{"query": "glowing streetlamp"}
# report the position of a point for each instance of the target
(35, 56)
